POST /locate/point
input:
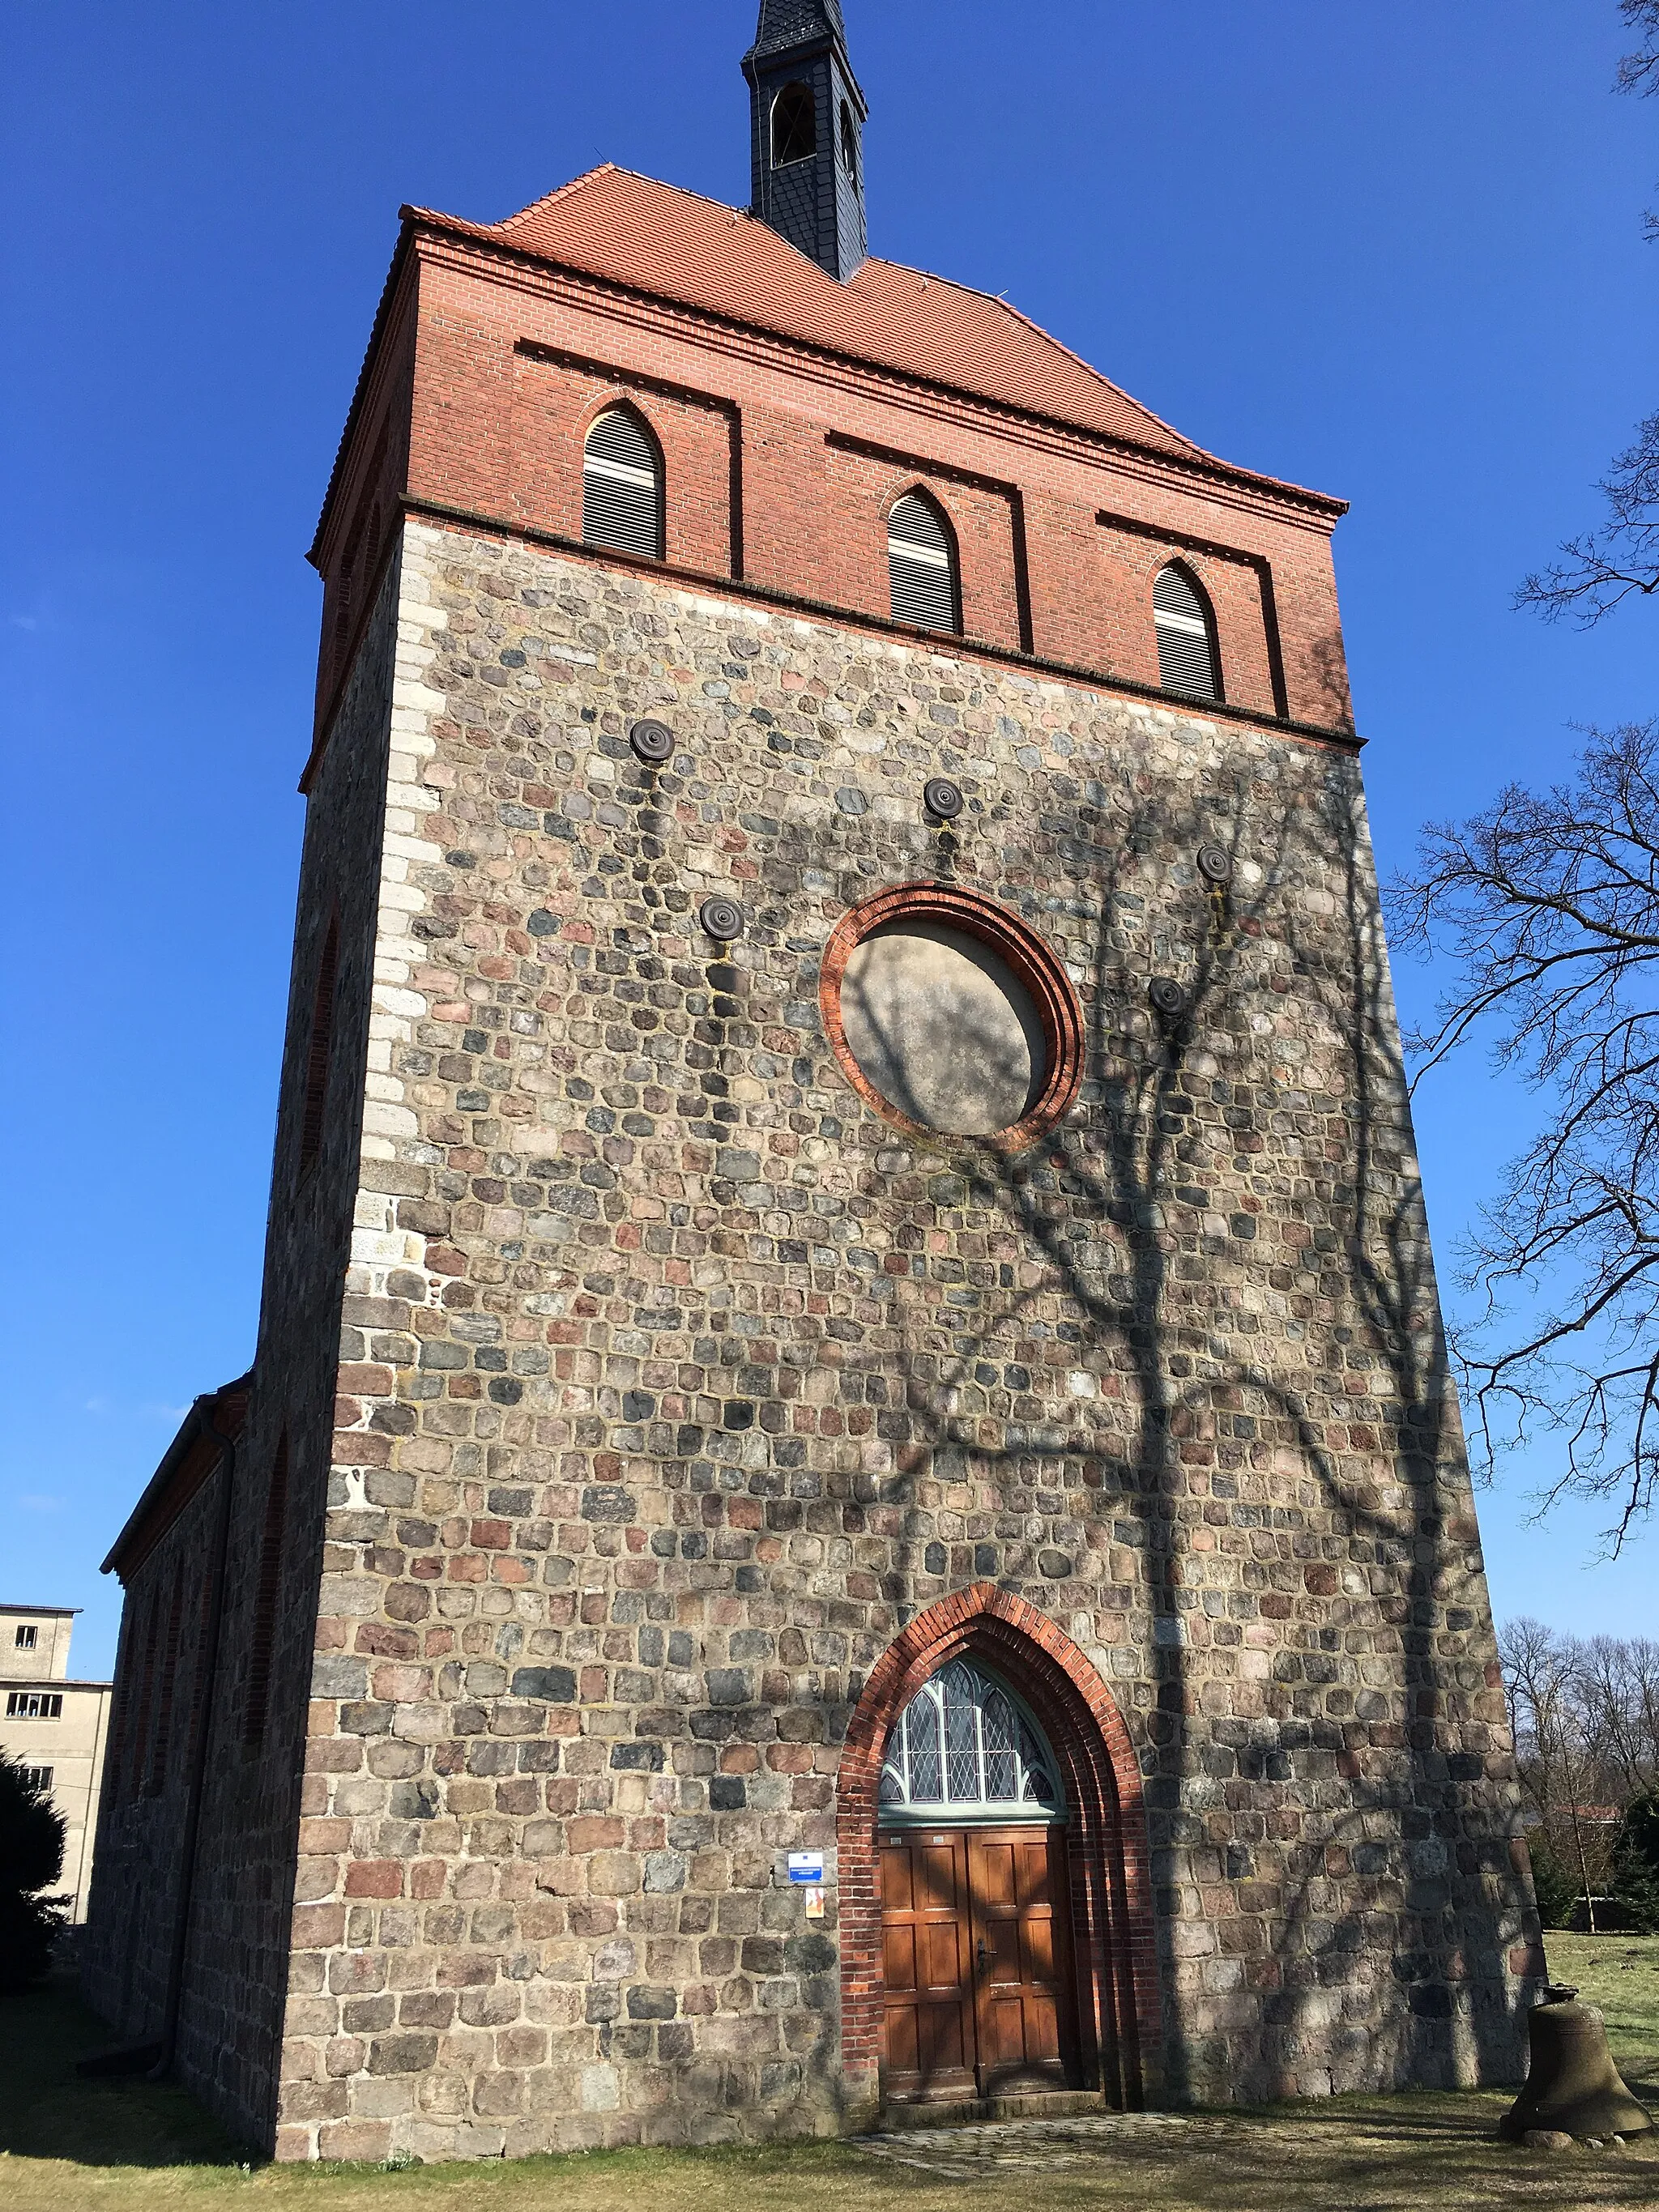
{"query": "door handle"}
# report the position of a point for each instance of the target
(982, 1957)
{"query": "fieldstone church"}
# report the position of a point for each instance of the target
(849, 1494)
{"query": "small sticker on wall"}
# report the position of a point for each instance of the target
(806, 1866)
(815, 1905)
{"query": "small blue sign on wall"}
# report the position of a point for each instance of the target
(806, 1866)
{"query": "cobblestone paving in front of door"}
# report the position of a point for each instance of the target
(984, 2149)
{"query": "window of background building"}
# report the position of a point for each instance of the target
(35, 1705)
(27, 1635)
(849, 143)
(37, 1778)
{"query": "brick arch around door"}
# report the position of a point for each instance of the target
(1114, 1968)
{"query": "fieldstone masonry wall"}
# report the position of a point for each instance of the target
(676, 1381)
(126, 1954)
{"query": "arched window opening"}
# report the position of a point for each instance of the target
(317, 1051)
(795, 125)
(136, 1773)
(921, 560)
(849, 144)
(963, 1748)
(1187, 658)
(266, 1592)
(161, 1752)
(198, 1678)
(622, 486)
(346, 597)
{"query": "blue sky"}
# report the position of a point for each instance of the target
(1390, 248)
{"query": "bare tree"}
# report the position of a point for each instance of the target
(1601, 568)
(1538, 1670)
(1639, 72)
(1597, 571)
(1549, 904)
(1617, 1680)
(1530, 1656)
(1585, 1718)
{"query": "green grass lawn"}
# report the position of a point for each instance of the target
(67, 2144)
(1620, 1973)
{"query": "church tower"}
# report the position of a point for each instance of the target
(848, 1496)
(806, 132)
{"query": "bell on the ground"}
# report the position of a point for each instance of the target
(1572, 2086)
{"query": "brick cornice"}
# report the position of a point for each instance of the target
(469, 243)
(190, 1460)
(384, 315)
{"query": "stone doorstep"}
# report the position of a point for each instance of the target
(1034, 2104)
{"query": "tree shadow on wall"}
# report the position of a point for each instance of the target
(1292, 1421)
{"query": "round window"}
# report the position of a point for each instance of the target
(947, 1014)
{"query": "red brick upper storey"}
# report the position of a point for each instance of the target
(791, 411)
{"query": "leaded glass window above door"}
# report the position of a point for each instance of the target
(965, 1749)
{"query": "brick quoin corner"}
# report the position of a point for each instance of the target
(641, 1413)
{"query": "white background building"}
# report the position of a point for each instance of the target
(57, 1726)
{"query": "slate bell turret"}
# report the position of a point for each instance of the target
(806, 132)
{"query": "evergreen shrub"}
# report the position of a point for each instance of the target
(31, 1860)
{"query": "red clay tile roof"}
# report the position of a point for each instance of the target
(655, 238)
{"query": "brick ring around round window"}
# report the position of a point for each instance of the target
(951, 1018)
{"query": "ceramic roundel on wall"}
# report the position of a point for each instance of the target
(652, 741)
(1215, 864)
(720, 919)
(948, 1014)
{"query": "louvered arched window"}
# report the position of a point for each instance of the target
(921, 557)
(1186, 658)
(622, 486)
(795, 125)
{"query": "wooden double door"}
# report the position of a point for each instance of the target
(977, 1958)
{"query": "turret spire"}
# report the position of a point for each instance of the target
(806, 136)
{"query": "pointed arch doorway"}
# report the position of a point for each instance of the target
(975, 1909)
(1033, 1848)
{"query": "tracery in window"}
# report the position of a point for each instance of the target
(962, 1748)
